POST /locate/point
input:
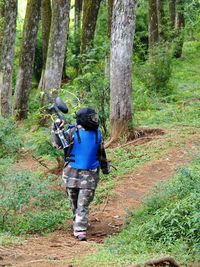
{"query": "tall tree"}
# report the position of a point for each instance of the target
(2, 3)
(77, 25)
(162, 27)
(172, 13)
(46, 25)
(110, 12)
(7, 55)
(180, 23)
(153, 23)
(122, 34)
(27, 54)
(107, 57)
(90, 14)
(57, 45)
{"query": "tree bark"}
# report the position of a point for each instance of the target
(172, 13)
(153, 23)
(122, 34)
(90, 14)
(110, 12)
(77, 25)
(27, 55)
(57, 46)
(161, 20)
(180, 24)
(46, 25)
(7, 56)
(107, 57)
(2, 4)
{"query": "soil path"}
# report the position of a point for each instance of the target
(106, 219)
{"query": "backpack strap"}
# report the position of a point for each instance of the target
(78, 135)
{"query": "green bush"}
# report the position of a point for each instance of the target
(156, 72)
(10, 140)
(168, 223)
(30, 203)
(40, 143)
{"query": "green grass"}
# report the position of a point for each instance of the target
(183, 106)
(168, 223)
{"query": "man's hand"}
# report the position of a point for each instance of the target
(58, 124)
(106, 168)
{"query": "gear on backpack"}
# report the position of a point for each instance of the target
(88, 118)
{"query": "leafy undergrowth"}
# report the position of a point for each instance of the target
(169, 220)
(182, 106)
(31, 203)
(168, 223)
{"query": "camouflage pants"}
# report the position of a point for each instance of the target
(80, 200)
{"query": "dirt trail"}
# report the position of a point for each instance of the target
(106, 219)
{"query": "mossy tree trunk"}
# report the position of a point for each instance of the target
(162, 25)
(179, 28)
(57, 46)
(7, 55)
(90, 14)
(27, 55)
(46, 25)
(2, 3)
(172, 14)
(122, 34)
(77, 25)
(153, 23)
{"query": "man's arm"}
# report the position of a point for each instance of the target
(104, 163)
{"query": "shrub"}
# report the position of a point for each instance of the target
(168, 223)
(10, 140)
(30, 203)
(156, 72)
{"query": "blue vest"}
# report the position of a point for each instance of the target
(85, 149)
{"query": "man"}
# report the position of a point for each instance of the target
(84, 157)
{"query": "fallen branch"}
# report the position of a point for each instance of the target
(137, 140)
(112, 140)
(40, 161)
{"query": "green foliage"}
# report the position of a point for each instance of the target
(40, 143)
(30, 203)
(191, 14)
(168, 223)
(156, 71)
(91, 85)
(181, 107)
(141, 31)
(10, 140)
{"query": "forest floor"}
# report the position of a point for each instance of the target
(60, 247)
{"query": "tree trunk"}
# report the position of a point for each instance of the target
(122, 34)
(162, 27)
(153, 23)
(6, 68)
(26, 63)
(90, 14)
(46, 25)
(110, 12)
(107, 57)
(2, 3)
(180, 23)
(77, 25)
(172, 13)
(57, 46)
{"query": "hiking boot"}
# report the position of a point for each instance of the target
(81, 236)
